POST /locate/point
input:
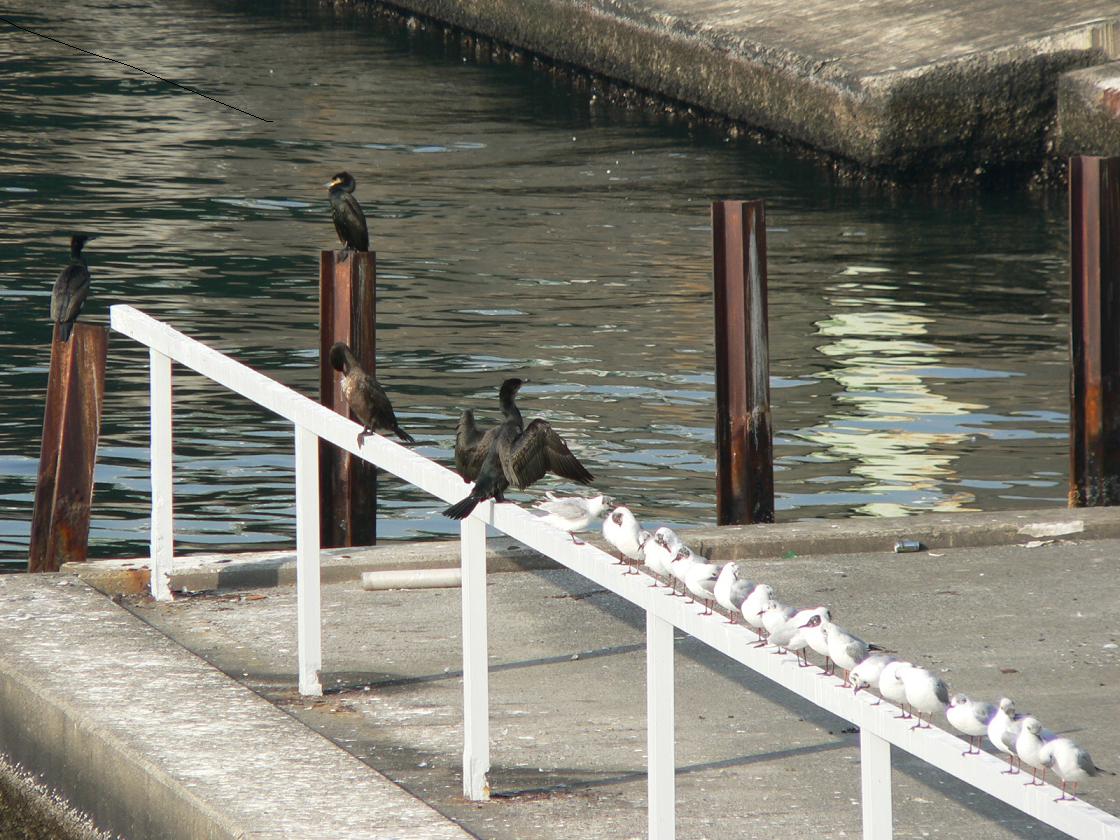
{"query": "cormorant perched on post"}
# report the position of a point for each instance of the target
(365, 395)
(509, 454)
(349, 220)
(70, 289)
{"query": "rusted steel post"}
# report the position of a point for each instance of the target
(347, 312)
(744, 441)
(1094, 219)
(71, 424)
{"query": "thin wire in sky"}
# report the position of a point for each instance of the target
(134, 67)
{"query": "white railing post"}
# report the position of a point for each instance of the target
(875, 773)
(660, 730)
(162, 545)
(476, 675)
(309, 628)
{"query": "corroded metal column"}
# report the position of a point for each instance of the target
(744, 440)
(1094, 218)
(347, 312)
(71, 426)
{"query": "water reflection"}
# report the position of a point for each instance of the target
(521, 228)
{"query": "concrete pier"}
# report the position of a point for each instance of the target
(904, 88)
(183, 720)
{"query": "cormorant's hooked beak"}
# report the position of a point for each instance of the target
(332, 183)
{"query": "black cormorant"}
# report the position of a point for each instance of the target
(509, 454)
(365, 395)
(70, 289)
(349, 220)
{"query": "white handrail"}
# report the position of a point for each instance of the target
(878, 725)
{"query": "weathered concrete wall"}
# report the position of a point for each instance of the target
(901, 86)
(1089, 111)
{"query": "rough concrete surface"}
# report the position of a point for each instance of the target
(149, 741)
(902, 86)
(1039, 624)
(1089, 111)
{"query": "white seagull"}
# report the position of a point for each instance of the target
(866, 674)
(755, 605)
(891, 686)
(1028, 746)
(732, 590)
(1003, 731)
(661, 550)
(792, 636)
(972, 718)
(845, 649)
(572, 513)
(817, 638)
(622, 530)
(926, 694)
(1070, 762)
(700, 578)
(775, 615)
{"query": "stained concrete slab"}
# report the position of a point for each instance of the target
(1038, 624)
(149, 741)
(903, 87)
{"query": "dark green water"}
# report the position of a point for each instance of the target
(918, 344)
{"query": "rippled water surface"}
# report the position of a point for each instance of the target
(522, 227)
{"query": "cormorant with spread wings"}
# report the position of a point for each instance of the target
(509, 454)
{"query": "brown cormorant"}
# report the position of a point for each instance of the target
(365, 395)
(70, 289)
(349, 220)
(510, 454)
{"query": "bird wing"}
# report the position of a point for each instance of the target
(471, 446)
(564, 508)
(370, 399)
(70, 291)
(539, 450)
(350, 221)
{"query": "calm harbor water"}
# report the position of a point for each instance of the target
(523, 227)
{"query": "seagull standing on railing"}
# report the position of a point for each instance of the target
(1028, 746)
(700, 578)
(1070, 762)
(365, 395)
(926, 694)
(752, 608)
(517, 455)
(571, 513)
(1003, 732)
(349, 220)
(972, 718)
(866, 674)
(846, 650)
(791, 636)
(731, 590)
(660, 551)
(775, 616)
(71, 288)
(623, 531)
(891, 686)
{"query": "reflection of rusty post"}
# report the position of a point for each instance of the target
(347, 312)
(744, 446)
(71, 423)
(1094, 219)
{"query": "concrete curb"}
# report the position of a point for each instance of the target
(816, 537)
(150, 741)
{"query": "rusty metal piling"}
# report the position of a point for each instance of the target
(1094, 219)
(71, 426)
(744, 439)
(347, 312)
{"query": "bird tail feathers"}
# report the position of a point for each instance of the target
(462, 509)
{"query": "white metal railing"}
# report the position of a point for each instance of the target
(878, 727)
